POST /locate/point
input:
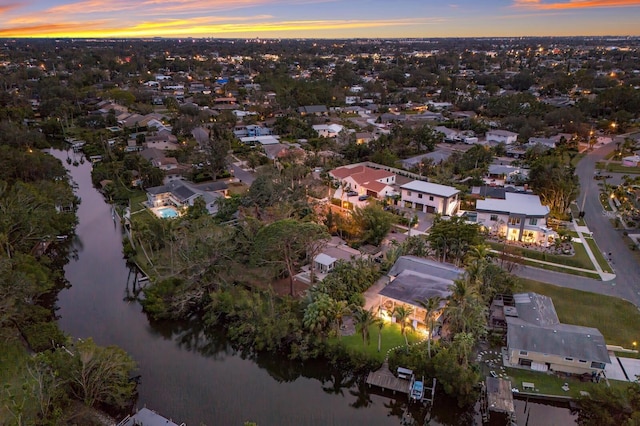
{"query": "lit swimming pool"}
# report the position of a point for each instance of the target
(167, 212)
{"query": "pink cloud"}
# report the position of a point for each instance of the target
(575, 4)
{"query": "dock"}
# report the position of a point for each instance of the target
(385, 379)
(146, 417)
(497, 398)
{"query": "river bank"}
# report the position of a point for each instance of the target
(196, 379)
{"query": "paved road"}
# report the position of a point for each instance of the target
(608, 238)
(626, 285)
(243, 175)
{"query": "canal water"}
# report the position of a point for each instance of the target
(204, 382)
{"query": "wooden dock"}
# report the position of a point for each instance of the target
(385, 379)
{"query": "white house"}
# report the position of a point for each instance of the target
(517, 217)
(501, 136)
(328, 130)
(545, 142)
(365, 180)
(182, 194)
(449, 135)
(430, 197)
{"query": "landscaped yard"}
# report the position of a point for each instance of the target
(616, 319)
(604, 201)
(579, 260)
(391, 338)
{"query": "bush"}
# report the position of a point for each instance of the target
(43, 335)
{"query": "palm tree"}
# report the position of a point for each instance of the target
(339, 310)
(431, 306)
(402, 314)
(364, 319)
(463, 343)
(380, 325)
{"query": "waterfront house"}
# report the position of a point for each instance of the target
(430, 197)
(415, 278)
(181, 194)
(517, 217)
(537, 340)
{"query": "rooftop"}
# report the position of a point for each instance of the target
(430, 188)
(524, 204)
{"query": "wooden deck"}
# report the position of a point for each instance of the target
(385, 379)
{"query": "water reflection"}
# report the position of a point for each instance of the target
(200, 378)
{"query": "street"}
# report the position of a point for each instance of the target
(626, 285)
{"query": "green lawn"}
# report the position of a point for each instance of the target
(136, 202)
(598, 254)
(616, 319)
(391, 338)
(579, 260)
(549, 384)
(619, 168)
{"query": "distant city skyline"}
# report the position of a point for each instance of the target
(317, 18)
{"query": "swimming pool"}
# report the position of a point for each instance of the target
(167, 212)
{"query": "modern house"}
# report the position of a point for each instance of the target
(537, 340)
(365, 180)
(517, 217)
(430, 197)
(181, 194)
(415, 278)
(501, 136)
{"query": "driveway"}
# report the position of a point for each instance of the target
(242, 174)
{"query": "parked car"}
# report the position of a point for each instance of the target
(352, 193)
(363, 197)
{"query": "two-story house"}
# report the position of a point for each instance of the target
(430, 197)
(365, 180)
(517, 217)
(501, 136)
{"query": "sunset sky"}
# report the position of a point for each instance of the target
(316, 18)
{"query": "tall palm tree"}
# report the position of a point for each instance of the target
(339, 310)
(380, 325)
(402, 314)
(431, 306)
(364, 319)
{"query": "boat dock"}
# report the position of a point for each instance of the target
(403, 382)
(497, 398)
(385, 379)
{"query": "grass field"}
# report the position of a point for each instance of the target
(616, 319)
(579, 260)
(391, 338)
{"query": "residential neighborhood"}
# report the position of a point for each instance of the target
(462, 214)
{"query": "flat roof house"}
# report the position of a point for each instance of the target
(517, 217)
(537, 340)
(430, 197)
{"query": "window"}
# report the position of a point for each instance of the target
(584, 361)
(514, 221)
(430, 197)
(525, 353)
(525, 362)
(494, 218)
(599, 365)
(419, 195)
(533, 221)
(568, 358)
(408, 193)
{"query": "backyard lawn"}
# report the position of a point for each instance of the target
(549, 384)
(616, 319)
(391, 338)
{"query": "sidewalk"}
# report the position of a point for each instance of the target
(582, 230)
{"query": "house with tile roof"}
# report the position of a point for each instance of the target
(365, 180)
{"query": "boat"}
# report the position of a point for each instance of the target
(417, 390)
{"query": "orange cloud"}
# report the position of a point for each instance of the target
(8, 7)
(199, 27)
(575, 4)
